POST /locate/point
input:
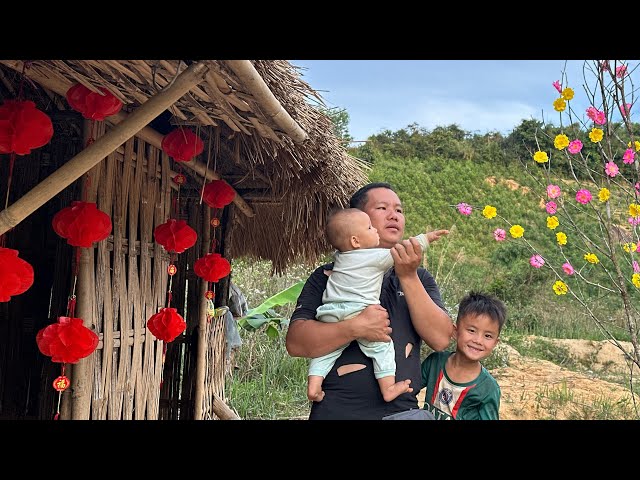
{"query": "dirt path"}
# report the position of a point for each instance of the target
(538, 389)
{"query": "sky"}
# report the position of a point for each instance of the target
(480, 96)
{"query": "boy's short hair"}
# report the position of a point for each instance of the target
(478, 303)
(359, 198)
(338, 227)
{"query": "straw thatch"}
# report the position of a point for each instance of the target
(261, 133)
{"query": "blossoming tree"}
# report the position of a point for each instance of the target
(594, 215)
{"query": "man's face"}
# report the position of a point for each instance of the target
(385, 211)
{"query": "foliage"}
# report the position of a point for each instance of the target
(264, 314)
(340, 119)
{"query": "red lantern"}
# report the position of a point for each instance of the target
(16, 274)
(92, 105)
(212, 267)
(67, 341)
(175, 235)
(218, 194)
(167, 324)
(23, 127)
(82, 224)
(182, 144)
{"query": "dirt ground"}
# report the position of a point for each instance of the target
(534, 389)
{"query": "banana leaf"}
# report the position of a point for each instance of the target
(264, 313)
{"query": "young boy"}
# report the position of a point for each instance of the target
(355, 283)
(458, 386)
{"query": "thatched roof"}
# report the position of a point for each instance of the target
(261, 134)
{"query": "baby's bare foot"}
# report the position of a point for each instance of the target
(392, 392)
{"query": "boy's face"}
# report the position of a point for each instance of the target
(365, 233)
(476, 336)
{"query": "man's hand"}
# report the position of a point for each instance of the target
(407, 257)
(372, 324)
(436, 235)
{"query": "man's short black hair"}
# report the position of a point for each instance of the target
(477, 303)
(359, 199)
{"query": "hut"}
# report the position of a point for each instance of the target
(263, 140)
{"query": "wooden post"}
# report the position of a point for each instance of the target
(201, 367)
(85, 160)
(82, 372)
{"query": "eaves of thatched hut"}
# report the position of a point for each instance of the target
(261, 135)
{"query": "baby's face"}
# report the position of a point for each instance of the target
(366, 233)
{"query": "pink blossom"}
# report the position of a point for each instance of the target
(636, 267)
(553, 191)
(557, 86)
(499, 234)
(604, 65)
(592, 112)
(596, 115)
(611, 169)
(552, 207)
(634, 221)
(583, 196)
(629, 155)
(638, 187)
(536, 261)
(621, 71)
(568, 269)
(575, 146)
(625, 110)
(465, 209)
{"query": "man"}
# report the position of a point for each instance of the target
(410, 311)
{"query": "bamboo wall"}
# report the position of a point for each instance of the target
(122, 281)
(129, 376)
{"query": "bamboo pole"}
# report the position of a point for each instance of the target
(201, 354)
(222, 410)
(94, 153)
(82, 372)
(257, 87)
(147, 134)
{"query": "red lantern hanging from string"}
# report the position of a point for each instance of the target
(81, 224)
(16, 274)
(167, 324)
(93, 105)
(212, 267)
(218, 194)
(23, 127)
(182, 144)
(67, 341)
(175, 235)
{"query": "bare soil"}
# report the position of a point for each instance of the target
(534, 389)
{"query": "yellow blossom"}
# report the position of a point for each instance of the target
(636, 143)
(561, 237)
(596, 134)
(567, 93)
(591, 258)
(635, 278)
(559, 104)
(516, 231)
(604, 194)
(634, 210)
(560, 287)
(629, 247)
(561, 141)
(552, 222)
(489, 211)
(541, 157)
